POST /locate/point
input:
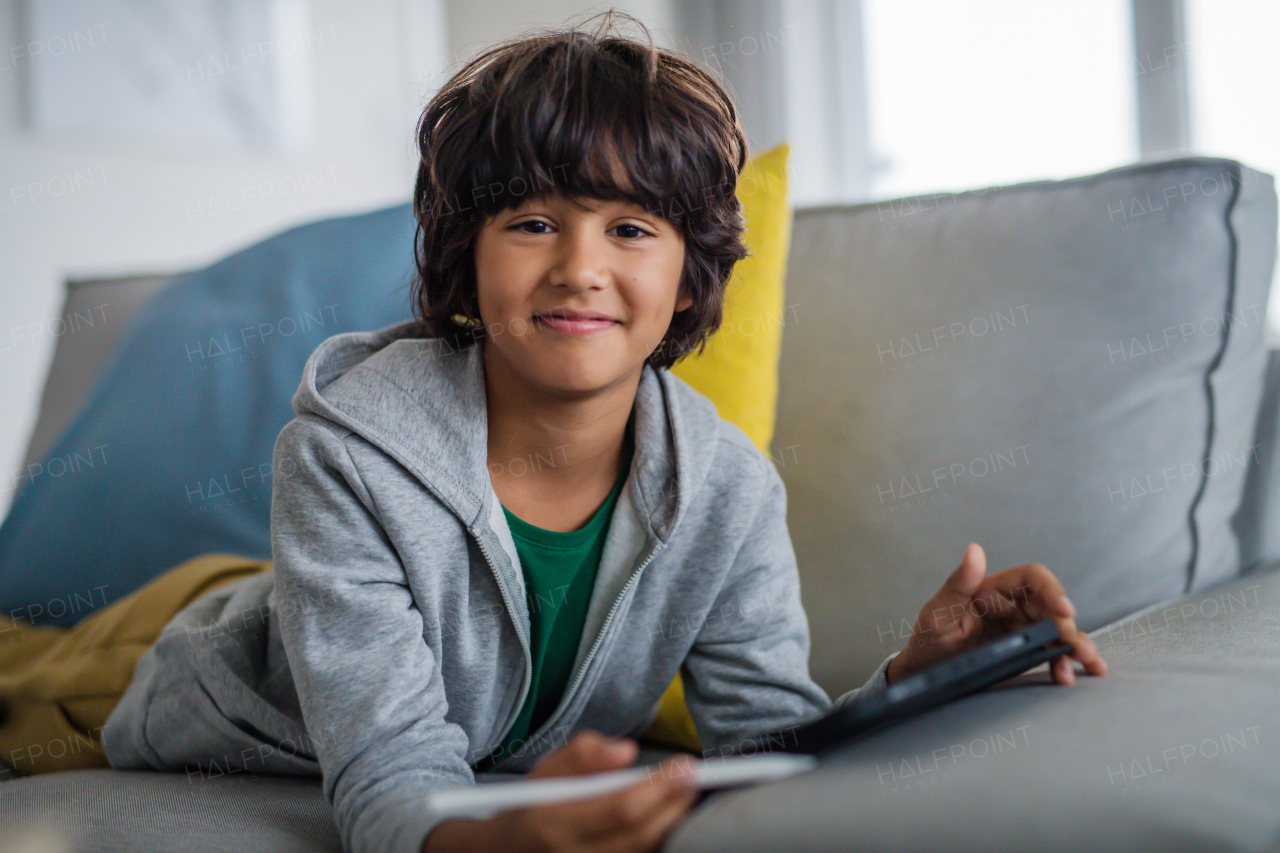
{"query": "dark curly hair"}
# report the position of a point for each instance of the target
(588, 115)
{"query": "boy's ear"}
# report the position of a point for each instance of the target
(684, 301)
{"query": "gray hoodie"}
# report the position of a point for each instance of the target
(388, 649)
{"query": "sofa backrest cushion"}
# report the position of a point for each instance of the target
(1258, 521)
(95, 314)
(1066, 372)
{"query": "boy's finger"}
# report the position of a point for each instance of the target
(653, 828)
(615, 812)
(1063, 672)
(1004, 615)
(1086, 651)
(607, 815)
(1033, 588)
(658, 824)
(675, 772)
(674, 782)
(588, 751)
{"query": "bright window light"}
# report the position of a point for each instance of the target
(1234, 81)
(986, 92)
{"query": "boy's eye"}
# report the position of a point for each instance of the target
(636, 229)
(530, 222)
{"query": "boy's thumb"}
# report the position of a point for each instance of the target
(587, 752)
(604, 754)
(964, 581)
(619, 752)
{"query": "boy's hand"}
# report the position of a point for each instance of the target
(634, 820)
(972, 609)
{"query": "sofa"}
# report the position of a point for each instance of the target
(1073, 372)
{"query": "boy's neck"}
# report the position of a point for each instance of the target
(549, 448)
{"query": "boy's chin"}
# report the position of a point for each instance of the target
(594, 377)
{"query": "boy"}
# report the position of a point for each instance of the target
(496, 533)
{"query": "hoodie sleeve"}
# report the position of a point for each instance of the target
(748, 669)
(368, 685)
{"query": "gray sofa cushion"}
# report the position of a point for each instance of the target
(1258, 522)
(94, 316)
(124, 811)
(1175, 749)
(1040, 368)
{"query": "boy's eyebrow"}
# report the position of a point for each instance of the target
(634, 209)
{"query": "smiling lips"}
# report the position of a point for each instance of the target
(575, 322)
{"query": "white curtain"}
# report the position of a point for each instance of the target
(796, 70)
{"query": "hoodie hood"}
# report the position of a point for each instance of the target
(424, 404)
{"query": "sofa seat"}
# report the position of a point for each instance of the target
(125, 810)
(1176, 749)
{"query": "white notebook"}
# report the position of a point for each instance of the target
(482, 801)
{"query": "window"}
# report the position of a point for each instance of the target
(1233, 81)
(887, 98)
(986, 92)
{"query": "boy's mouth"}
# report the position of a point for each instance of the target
(575, 322)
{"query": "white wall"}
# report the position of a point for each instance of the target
(152, 208)
(473, 25)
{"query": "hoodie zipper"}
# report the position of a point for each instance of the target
(524, 643)
(554, 719)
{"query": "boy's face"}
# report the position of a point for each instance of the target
(614, 258)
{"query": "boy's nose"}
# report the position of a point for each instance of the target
(581, 263)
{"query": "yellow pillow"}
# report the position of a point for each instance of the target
(738, 370)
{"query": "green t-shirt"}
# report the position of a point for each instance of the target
(559, 574)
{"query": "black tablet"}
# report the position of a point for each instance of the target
(956, 676)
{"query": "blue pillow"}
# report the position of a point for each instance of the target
(170, 456)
